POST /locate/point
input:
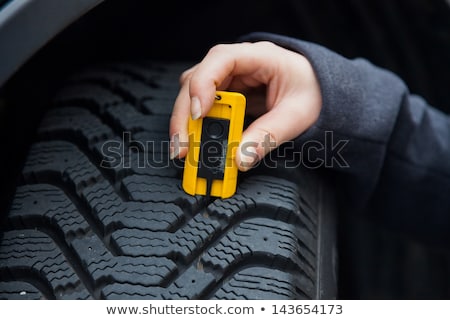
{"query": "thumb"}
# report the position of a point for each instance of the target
(282, 123)
(257, 141)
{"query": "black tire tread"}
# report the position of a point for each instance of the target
(80, 228)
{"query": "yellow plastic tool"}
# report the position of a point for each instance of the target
(210, 168)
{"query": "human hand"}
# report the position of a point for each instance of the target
(281, 89)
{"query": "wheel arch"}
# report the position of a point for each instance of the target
(27, 25)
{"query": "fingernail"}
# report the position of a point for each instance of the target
(249, 157)
(174, 146)
(196, 108)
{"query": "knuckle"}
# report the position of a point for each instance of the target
(223, 50)
(218, 48)
(185, 76)
(267, 45)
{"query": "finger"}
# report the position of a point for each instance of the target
(178, 131)
(220, 65)
(269, 131)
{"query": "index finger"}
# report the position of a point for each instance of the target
(220, 65)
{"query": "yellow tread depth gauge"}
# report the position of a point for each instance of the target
(210, 168)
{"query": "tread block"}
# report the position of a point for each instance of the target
(183, 243)
(19, 290)
(121, 159)
(129, 119)
(265, 284)
(77, 123)
(102, 76)
(49, 207)
(260, 239)
(105, 268)
(86, 95)
(31, 255)
(61, 162)
(113, 213)
(264, 194)
(158, 189)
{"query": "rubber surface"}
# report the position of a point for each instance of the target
(100, 212)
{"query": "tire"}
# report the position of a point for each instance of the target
(91, 220)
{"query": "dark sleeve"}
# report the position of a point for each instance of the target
(389, 149)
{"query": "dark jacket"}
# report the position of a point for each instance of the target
(398, 150)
